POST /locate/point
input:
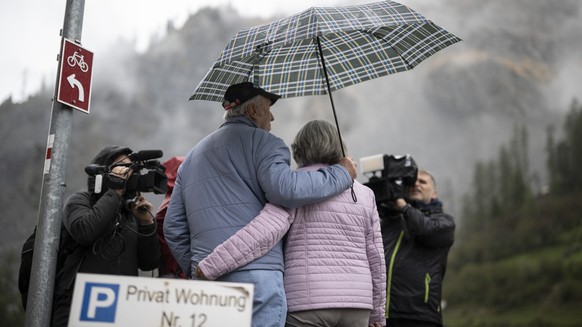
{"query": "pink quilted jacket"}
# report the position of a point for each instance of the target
(334, 257)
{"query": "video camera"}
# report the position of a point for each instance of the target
(397, 174)
(153, 180)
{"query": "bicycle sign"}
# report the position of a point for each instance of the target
(77, 59)
(75, 73)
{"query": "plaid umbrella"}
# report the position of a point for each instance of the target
(358, 43)
(324, 49)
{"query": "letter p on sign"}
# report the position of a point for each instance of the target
(99, 302)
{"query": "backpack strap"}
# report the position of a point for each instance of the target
(26, 267)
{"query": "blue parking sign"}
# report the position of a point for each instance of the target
(99, 302)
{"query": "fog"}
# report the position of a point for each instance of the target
(515, 66)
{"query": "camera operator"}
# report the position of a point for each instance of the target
(417, 237)
(116, 235)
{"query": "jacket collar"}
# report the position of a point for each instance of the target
(435, 206)
(240, 120)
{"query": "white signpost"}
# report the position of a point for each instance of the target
(107, 301)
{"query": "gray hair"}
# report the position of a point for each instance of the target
(426, 172)
(241, 109)
(317, 142)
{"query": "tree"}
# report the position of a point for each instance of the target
(500, 185)
(565, 155)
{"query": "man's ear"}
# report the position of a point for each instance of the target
(252, 111)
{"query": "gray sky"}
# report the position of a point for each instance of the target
(29, 30)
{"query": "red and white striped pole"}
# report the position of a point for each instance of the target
(49, 150)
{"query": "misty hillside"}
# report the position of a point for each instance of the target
(519, 63)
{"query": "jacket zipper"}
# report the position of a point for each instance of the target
(389, 281)
(426, 287)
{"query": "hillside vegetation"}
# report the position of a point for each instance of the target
(518, 256)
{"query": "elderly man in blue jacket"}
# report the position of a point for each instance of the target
(225, 181)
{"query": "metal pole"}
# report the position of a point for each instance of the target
(48, 228)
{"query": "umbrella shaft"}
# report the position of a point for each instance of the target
(330, 96)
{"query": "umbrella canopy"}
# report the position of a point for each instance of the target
(324, 49)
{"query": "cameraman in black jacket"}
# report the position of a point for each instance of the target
(417, 237)
(115, 235)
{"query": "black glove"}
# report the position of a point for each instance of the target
(388, 210)
(115, 182)
(396, 190)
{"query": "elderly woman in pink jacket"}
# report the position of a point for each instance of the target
(335, 274)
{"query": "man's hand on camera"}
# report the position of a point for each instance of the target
(350, 165)
(120, 171)
(142, 210)
(117, 178)
(400, 204)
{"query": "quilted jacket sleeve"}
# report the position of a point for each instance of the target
(249, 243)
(436, 231)
(375, 250)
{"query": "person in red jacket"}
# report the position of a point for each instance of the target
(168, 267)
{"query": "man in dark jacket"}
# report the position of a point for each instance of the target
(417, 238)
(116, 236)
